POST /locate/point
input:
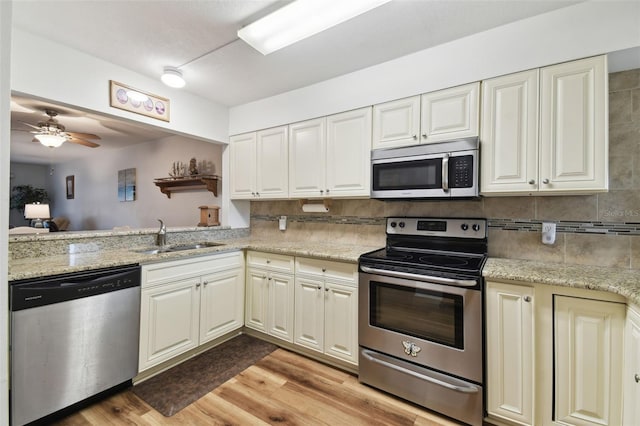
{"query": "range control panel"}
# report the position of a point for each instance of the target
(440, 227)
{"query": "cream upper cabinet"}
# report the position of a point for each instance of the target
(307, 154)
(510, 352)
(396, 123)
(259, 164)
(509, 135)
(573, 126)
(348, 153)
(588, 361)
(432, 117)
(242, 166)
(544, 132)
(450, 113)
(631, 375)
(330, 156)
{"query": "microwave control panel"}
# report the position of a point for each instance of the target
(461, 171)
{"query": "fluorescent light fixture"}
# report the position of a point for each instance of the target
(52, 141)
(301, 19)
(172, 77)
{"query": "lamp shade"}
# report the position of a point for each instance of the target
(52, 141)
(36, 211)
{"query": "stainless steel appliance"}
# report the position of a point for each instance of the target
(433, 170)
(72, 337)
(420, 314)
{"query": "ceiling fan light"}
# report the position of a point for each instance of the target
(52, 141)
(172, 77)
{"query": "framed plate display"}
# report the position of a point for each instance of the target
(129, 99)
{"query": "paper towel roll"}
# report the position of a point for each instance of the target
(314, 208)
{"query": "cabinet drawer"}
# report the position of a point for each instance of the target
(158, 273)
(275, 262)
(327, 269)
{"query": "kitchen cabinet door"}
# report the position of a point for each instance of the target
(281, 304)
(450, 113)
(396, 123)
(510, 352)
(242, 166)
(169, 317)
(588, 355)
(632, 367)
(309, 313)
(340, 321)
(307, 159)
(348, 161)
(573, 126)
(272, 163)
(257, 299)
(509, 140)
(221, 303)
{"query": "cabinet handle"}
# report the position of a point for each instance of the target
(268, 261)
(324, 269)
(205, 283)
(637, 378)
(531, 182)
(546, 181)
(322, 191)
(415, 137)
(327, 190)
(527, 299)
(257, 194)
(198, 285)
(326, 289)
(269, 278)
(253, 194)
(424, 135)
(320, 288)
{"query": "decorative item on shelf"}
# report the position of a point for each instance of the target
(178, 169)
(310, 207)
(171, 184)
(193, 167)
(209, 216)
(137, 101)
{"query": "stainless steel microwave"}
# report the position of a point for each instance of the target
(434, 170)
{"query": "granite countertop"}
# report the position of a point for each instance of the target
(625, 282)
(29, 268)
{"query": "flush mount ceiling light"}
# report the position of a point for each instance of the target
(51, 140)
(172, 77)
(301, 19)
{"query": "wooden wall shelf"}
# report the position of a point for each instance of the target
(169, 185)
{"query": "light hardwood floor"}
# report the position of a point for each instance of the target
(283, 388)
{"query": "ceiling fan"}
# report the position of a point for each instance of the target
(52, 134)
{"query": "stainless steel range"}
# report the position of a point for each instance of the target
(420, 318)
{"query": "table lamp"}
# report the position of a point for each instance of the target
(36, 212)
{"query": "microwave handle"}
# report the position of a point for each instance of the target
(445, 173)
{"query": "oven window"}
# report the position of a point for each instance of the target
(424, 314)
(418, 174)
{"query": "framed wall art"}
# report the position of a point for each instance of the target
(71, 187)
(134, 100)
(127, 185)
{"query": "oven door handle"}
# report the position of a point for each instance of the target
(463, 389)
(407, 275)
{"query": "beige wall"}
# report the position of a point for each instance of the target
(590, 226)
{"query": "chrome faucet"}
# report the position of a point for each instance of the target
(161, 236)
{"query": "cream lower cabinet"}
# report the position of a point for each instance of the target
(326, 308)
(270, 294)
(554, 355)
(189, 302)
(510, 352)
(631, 375)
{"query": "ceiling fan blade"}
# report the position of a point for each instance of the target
(79, 141)
(31, 125)
(83, 135)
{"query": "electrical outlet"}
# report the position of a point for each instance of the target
(548, 233)
(282, 223)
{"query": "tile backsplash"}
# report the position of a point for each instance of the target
(600, 229)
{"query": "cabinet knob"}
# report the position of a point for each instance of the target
(264, 277)
(205, 283)
(415, 137)
(326, 289)
(257, 194)
(637, 378)
(527, 299)
(531, 182)
(198, 285)
(322, 191)
(269, 278)
(546, 181)
(253, 194)
(319, 288)
(327, 190)
(324, 269)
(268, 261)
(424, 135)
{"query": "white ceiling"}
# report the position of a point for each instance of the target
(146, 35)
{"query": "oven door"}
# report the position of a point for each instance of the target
(434, 325)
(409, 177)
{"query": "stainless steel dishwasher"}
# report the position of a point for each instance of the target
(72, 337)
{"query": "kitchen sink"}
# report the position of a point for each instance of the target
(178, 247)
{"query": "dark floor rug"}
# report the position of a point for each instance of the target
(176, 388)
